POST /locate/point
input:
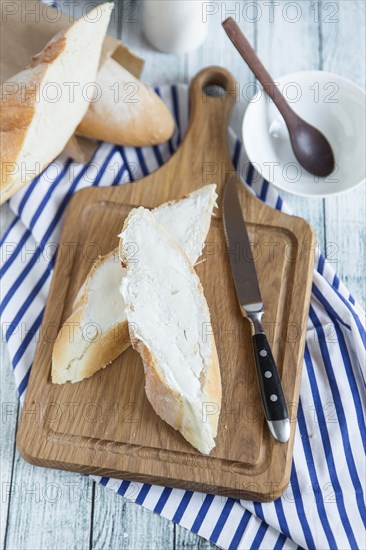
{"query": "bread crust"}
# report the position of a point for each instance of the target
(17, 112)
(172, 407)
(143, 120)
(99, 354)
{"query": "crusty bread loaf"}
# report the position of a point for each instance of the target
(126, 112)
(169, 316)
(41, 106)
(97, 330)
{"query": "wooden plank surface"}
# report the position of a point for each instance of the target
(119, 523)
(58, 509)
(8, 423)
(343, 52)
(344, 57)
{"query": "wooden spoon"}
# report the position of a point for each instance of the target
(310, 146)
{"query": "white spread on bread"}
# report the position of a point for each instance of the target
(102, 297)
(162, 301)
(193, 215)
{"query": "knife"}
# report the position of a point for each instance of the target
(252, 308)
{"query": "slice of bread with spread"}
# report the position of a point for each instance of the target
(167, 314)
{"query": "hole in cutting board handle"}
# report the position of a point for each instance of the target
(215, 84)
(214, 90)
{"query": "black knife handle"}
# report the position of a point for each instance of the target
(273, 398)
(272, 395)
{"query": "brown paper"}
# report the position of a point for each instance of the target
(25, 28)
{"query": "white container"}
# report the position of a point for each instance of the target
(331, 103)
(174, 26)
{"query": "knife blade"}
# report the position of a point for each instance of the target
(252, 308)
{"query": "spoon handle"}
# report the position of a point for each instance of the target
(249, 55)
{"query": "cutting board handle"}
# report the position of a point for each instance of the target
(204, 100)
(213, 94)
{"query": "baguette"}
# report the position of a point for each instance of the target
(127, 111)
(37, 113)
(97, 330)
(167, 309)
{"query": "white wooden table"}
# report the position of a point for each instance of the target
(44, 509)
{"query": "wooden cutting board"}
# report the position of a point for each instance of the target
(105, 425)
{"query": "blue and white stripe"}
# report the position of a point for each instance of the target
(324, 505)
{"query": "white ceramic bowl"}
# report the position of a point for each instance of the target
(334, 105)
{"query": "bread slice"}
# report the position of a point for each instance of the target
(87, 342)
(169, 316)
(97, 330)
(41, 106)
(128, 112)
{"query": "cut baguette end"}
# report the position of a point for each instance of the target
(29, 115)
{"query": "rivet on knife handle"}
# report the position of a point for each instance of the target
(273, 398)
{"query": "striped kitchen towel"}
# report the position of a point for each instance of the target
(323, 507)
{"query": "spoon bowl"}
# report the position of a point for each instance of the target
(312, 149)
